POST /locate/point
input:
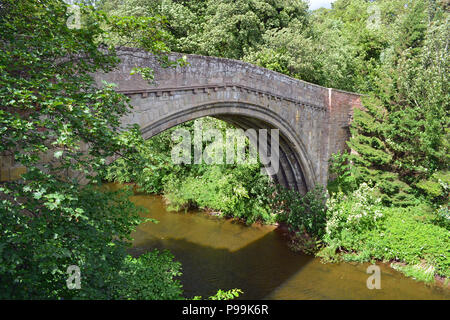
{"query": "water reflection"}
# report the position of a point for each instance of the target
(217, 253)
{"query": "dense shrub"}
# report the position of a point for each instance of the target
(360, 229)
(49, 105)
(406, 239)
(302, 213)
(442, 217)
(236, 191)
(35, 256)
(149, 277)
(349, 217)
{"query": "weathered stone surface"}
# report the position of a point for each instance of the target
(313, 120)
(8, 170)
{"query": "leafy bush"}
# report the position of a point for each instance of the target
(236, 191)
(342, 174)
(304, 215)
(442, 218)
(437, 187)
(149, 168)
(149, 277)
(223, 295)
(307, 213)
(404, 238)
(361, 230)
(349, 217)
(50, 105)
(35, 253)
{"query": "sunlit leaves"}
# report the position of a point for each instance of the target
(62, 128)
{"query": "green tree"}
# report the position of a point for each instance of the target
(221, 28)
(49, 104)
(402, 136)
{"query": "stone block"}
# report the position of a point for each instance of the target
(15, 173)
(4, 174)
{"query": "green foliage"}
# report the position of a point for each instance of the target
(96, 241)
(149, 277)
(231, 27)
(437, 187)
(401, 138)
(223, 295)
(220, 28)
(342, 174)
(226, 295)
(305, 215)
(149, 168)
(399, 143)
(442, 217)
(406, 239)
(362, 230)
(233, 191)
(236, 190)
(431, 188)
(50, 105)
(273, 34)
(350, 217)
(301, 213)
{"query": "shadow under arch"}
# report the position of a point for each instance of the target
(295, 169)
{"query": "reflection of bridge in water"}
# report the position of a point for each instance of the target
(312, 120)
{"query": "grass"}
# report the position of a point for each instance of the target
(421, 272)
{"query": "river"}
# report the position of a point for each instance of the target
(223, 254)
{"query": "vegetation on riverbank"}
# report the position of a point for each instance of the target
(236, 190)
(359, 228)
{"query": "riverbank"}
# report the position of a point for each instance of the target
(422, 272)
(304, 243)
(227, 253)
(307, 245)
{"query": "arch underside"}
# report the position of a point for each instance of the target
(295, 169)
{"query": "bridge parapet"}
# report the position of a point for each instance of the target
(205, 71)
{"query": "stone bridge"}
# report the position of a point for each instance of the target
(312, 120)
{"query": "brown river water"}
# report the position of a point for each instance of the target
(223, 254)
